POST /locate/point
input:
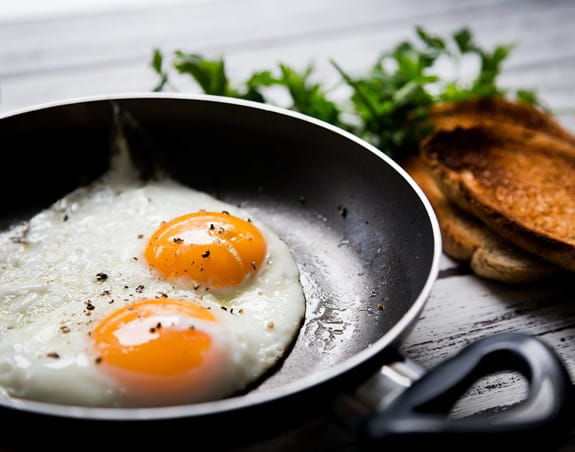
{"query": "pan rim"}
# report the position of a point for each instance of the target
(270, 395)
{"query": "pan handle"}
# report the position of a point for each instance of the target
(418, 417)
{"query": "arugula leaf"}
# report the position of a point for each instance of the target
(210, 74)
(432, 42)
(528, 96)
(157, 66)
(390, 101)
(394, 98)
(212, 78)
(307, 97)
(485, 84)
(464, 41)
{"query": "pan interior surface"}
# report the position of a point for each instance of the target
(360, 234)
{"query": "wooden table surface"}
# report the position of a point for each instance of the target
(106, 49)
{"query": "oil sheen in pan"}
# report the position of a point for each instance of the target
(341, 299)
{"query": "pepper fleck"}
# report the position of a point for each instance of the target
(65, 329)
(206, 254)
(21, 240)
(342, 211)
(178, 240)
(101, 277)
(53, 355)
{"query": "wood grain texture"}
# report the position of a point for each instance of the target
(57, 58)
(478, 308)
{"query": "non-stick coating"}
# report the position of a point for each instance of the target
(364, 240)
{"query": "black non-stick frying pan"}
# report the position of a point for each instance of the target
(366, 242)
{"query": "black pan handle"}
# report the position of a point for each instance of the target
(418, 418)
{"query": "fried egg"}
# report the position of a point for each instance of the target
(125, 293)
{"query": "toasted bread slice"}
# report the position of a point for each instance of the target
(519, 182)
(464, 236)
(468, 239)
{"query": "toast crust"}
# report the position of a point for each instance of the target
(497, 110)
(510, 264)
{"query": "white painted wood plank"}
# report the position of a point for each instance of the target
(214, 26)
(355, 51)
(34, 10)
(463, 309)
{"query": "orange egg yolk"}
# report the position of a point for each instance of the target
(210, 248)
(154, 337)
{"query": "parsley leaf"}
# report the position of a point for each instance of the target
(389, 102)
(210, 74)
(157, 66)
(307, 97)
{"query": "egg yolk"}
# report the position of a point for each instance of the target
(214, 249)
(158, 338)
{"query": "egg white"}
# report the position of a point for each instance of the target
(76, 262)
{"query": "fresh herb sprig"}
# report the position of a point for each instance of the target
(388, 104)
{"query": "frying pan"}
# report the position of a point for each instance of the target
(367, 246)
